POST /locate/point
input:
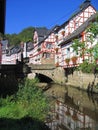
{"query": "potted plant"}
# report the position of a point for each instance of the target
(56, 37)
(67, 60)
(38, 49)
(74, 116)
(74, 59)
(57, 64)
(56, 49)
(63, 32)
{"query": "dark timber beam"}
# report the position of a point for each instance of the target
(2, 15)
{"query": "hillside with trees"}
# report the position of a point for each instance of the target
(14, 39)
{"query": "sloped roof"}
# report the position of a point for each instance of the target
(83, 6)
(79, 30)
(30, 46)
(4, 44)
(42, 33)
(15, 49)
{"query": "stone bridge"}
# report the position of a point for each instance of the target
(56, 74)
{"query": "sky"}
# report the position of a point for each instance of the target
(21, 14)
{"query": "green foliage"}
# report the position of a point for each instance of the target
(86, 67)
(95, 52)
(29, 101)
(78, 46)
(93, 28)
(25, 110)
(25, 35)
(67, 60)
(8, 85)
(13, 39)
(82, 48)
(32, 98)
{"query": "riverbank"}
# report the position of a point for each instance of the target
(64, 97)
(83, 81)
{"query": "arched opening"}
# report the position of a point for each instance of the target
(43, 78)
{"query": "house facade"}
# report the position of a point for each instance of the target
(44, 44)
(54, 46)
(74, 28)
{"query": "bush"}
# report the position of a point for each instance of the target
(86, 67)
(29, 102)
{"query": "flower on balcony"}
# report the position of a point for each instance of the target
(74, 116)
(56, 37)
(56, 49)
(63, 32)
(57, 64)
(67, 60)
(74, 59)
(39, 49)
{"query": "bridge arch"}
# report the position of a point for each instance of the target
(55, 74)
(43, 78)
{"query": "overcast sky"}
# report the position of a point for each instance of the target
(22, 14)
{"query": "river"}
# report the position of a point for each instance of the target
(73, 109)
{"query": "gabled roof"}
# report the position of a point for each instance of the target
(4, 44)
(83, 6)
(30, 46)
(79, 30)
(42, 32)
(14, 49)
(41, 35)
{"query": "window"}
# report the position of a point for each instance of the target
(48, 45)
(76, 24)
(46, 55)
(68, 52)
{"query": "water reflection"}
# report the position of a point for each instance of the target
(77, 110)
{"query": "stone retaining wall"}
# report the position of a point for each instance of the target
(82, 80)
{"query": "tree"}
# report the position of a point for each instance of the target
(25, 35)
(92, 31)
(88, 65)
(78, 47)
(82, 48)
(13, 39)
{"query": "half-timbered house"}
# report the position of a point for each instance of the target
(54, 46)
(73, 28)
(44, 44)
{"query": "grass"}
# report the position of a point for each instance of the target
(25, 110)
